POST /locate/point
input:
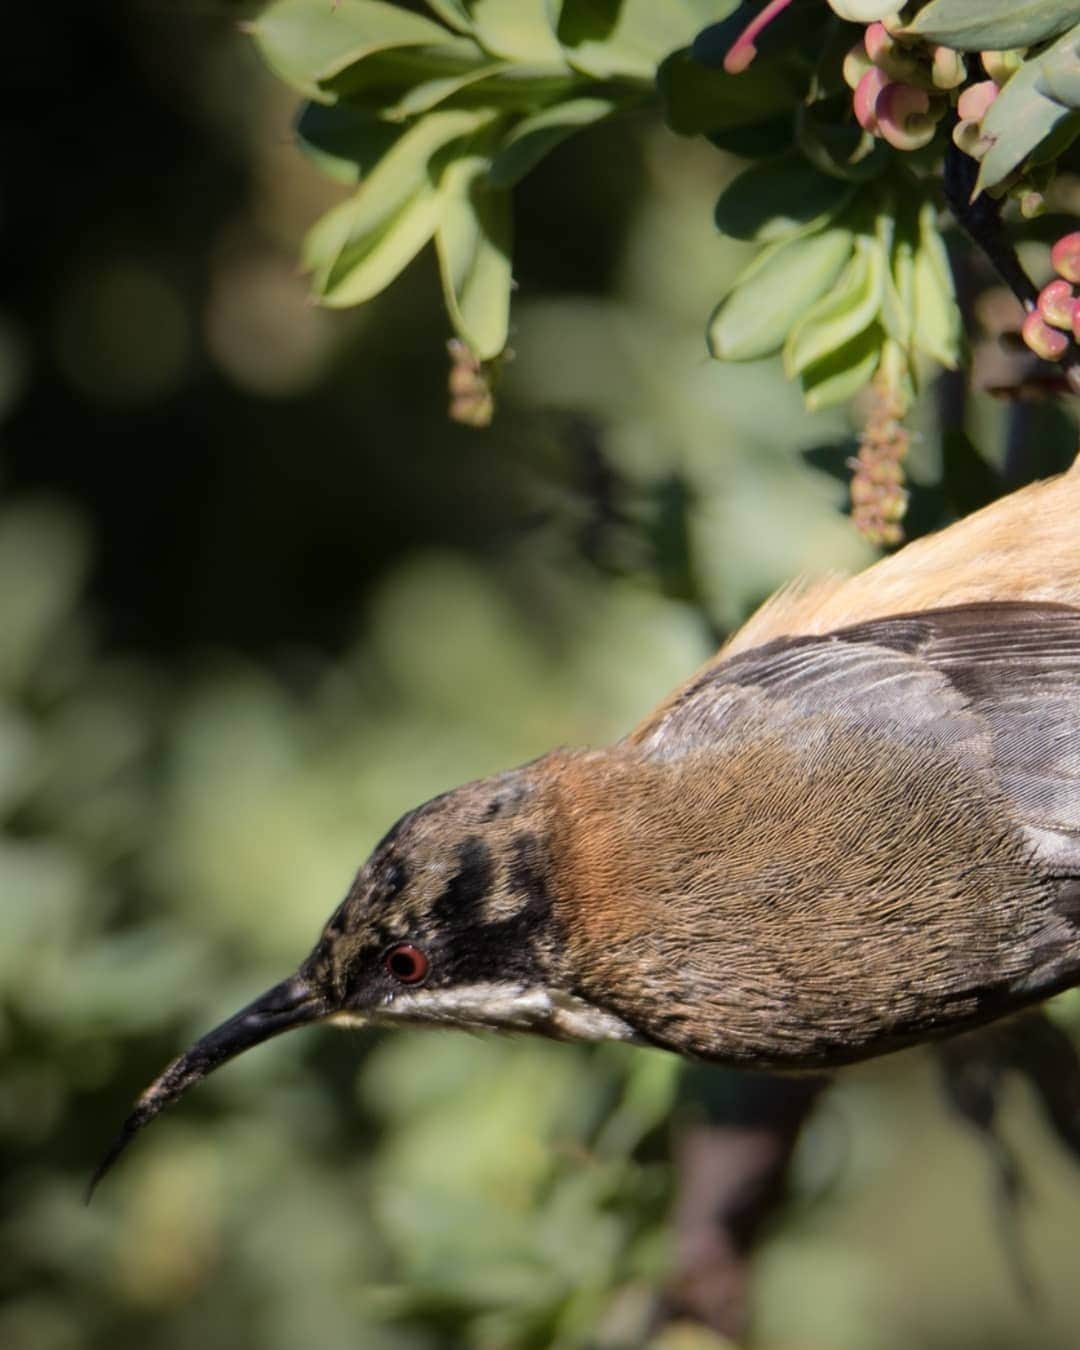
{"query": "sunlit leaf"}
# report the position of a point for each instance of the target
(1059, 71)
(849, 307)
(453, 13)
(842, 372)
(368, 263)
(533, 137)
(382, 79)
(1028, 108)
(937, 319)
(993, 25)
(520, 30)
(427, 94)
(346, 143)
(630, 39)
(361, 245)
(898, 239)
(775, 292)
(473, 243)
(304, 41)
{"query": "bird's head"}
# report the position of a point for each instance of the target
(454, 920)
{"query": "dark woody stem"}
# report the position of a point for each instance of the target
(980, 219)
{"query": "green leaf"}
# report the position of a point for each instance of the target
(1028, 108)
(361, 245)
(778, 198)
(422, 97)
(519, 30)
(1049, 150)
(700, 101)
(1059, 71)
(531, 139)
(473, 242)
(628, 40)
(453, 13)
(304, 41)
(936, 330)
(849, 307)
(898, 238)
(774, 292)
(367, 263)
(841, 373)
(379, 79)
(515, 87)
(993, 25)
(346, 143)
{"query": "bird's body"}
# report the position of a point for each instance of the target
(856, 827)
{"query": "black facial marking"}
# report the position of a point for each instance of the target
(462, 902)
(508, 948)
(528, 876)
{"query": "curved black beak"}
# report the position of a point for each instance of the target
(289, 1004)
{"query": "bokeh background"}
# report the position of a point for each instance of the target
(257, 597)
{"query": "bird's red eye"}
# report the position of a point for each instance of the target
(406, 963)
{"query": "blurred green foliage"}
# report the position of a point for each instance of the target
(258, 599)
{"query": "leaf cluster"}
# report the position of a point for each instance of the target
(434, 120)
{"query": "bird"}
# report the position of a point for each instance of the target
(855, 828)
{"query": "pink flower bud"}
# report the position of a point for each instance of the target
(865, 98)
(884, 51)
(967, 136)
(1043, 340)
(1001, 65)
(1065, 256)
(856, 64)
(904, 116)
(947, 69)
(876, 41)
(1056, 303)
(1032, 204)
(976, 99)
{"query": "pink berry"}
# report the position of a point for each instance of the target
(1056, 303)
(904, 116)
(865, 98)
(974, 102)
(877, 41)
(1001, 66)
(1065, 256)
(1044, 341)
(883, 49)
(947, 68)
(967, 136)
(856, 64)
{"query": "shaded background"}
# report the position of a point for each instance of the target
(258, 597)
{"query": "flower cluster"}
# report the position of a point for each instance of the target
(901, 85)
(1047, 329)
(878, 497)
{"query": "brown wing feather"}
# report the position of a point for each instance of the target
(996, 684)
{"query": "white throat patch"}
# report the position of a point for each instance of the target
(507, 1007)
